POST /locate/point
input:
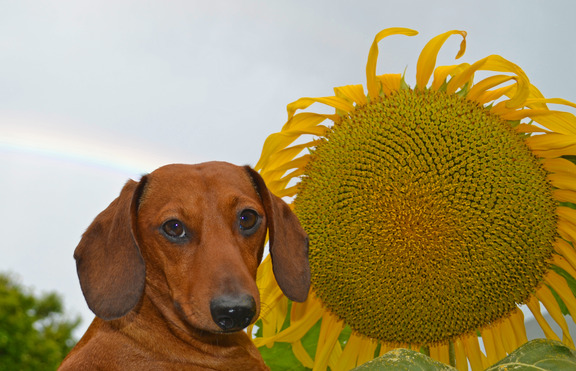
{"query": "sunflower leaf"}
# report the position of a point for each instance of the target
(539, 354)
(403, 359)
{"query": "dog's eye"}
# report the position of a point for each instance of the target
(174, 229)
(249, 220)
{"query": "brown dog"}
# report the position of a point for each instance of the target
(169, 270)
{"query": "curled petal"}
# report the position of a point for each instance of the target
(498, 64)
(481, 87)
(427, 59)
(371, 79)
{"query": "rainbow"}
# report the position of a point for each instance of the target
(104, 153)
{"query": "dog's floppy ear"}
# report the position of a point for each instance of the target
(288, 243)
(108, 261)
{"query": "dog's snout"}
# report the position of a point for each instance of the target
(233, 313)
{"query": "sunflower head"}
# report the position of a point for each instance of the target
(432, 211)
(432, 203)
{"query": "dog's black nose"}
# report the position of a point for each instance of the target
(233, 313)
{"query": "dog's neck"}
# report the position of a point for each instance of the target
(159, 330)
(148, 338)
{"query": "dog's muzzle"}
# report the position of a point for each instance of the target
(233, 313)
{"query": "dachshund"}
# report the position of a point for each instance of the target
(169, 270)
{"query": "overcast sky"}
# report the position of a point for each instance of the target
(95, 92)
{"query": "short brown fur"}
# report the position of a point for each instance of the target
(152, 296)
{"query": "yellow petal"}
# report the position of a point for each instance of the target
(566, 230)
(492, 344)
(385, 348)
(272, 322)
(279, 187)
(280, 157)
(564, 102)
(306, 120)
(427, 58)
(273, 144)
(271, 296)
(305, 123)
(492, 95)
(517, 323)
(300, 310)
(567, 213)
(561, 262)
(288, 192)
(557, 121)
(367, 349)
(478, 360)
(353, 93)
(302, 355)
(390, 82)
(550, 141)
(552, 153)
(371, 79)
(441, 74)
(568, 252)
(336, 102)
(329, 333)
(508, 336)
(558, 283)
(296, 330)
(350, 352)
(546, 298)
(560, 165)
(562, 181)
(440, 352)
(278, 172)
(487, 83)
(498, 64)
(565, 195)
(335, 356)
(527, 128)
(274, 304)
(534, 306)
(460, 355)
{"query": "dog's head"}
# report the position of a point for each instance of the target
(192, 237)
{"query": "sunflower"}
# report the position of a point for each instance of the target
(433, 213)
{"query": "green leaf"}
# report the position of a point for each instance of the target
(403, 359)
(540, 354)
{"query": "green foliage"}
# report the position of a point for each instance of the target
(403, 359)
(540, 354)
(34, 333)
